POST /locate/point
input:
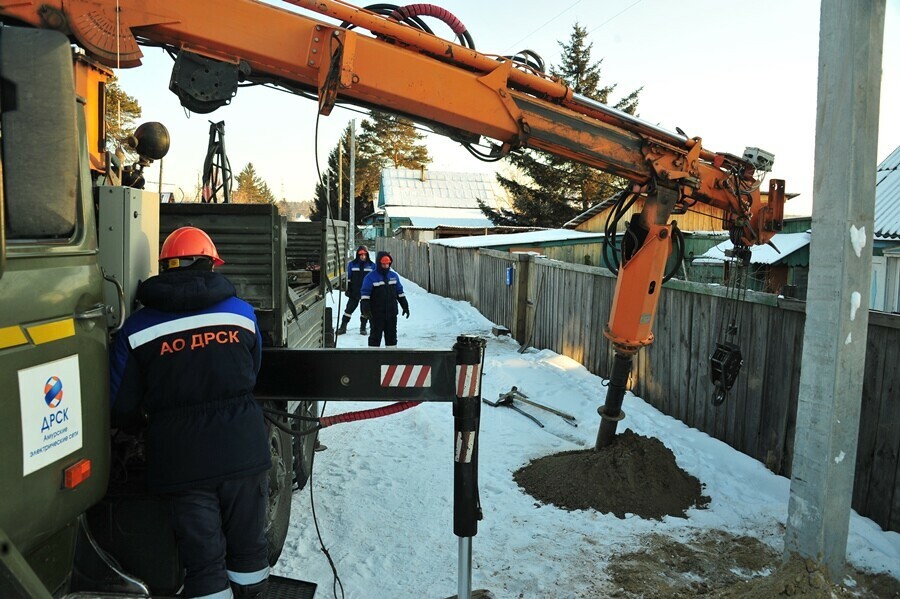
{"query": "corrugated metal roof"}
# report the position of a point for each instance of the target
(887, 197)
(787, 244)
(406, 187)
(520, 239)
(429, 217)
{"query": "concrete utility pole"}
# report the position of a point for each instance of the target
(851, 36)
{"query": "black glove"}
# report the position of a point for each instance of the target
(405, 305)
(365, 309)
(347, 293)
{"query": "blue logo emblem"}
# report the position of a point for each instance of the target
(53, 391)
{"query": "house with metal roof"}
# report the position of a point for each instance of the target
(789, 270)
(781, 267)
(427, 199)
(532, 241)
(886, 261)
(887, 199)
(701, 226)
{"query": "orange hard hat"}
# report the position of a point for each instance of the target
(189, 242)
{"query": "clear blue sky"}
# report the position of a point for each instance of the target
(738, 73)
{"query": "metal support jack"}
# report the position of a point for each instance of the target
(506, 399)
(360, 375)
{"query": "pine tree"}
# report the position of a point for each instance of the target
(390, 140)
(251, 189)
(364, 185)
(552, 190)
(385, 141)
(122, 111)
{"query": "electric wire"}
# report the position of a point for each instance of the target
(558, 15)
(336, 580)
(624, 10)
(109, 560)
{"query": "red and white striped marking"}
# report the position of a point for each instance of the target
(468, 379)
(405, 375)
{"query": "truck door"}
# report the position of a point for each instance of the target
(54, 437)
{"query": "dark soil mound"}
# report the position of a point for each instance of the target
(635, 474)
(719, 565)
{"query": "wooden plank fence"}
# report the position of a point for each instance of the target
(565, 307)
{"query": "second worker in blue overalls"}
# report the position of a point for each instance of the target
(381, 292)
(357, 269)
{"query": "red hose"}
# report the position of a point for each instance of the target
(394, 408)
(430, 10)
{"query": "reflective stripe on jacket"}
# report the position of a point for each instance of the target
(193, 373)
(382, 290)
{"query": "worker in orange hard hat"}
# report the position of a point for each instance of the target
(187, 243)
(381, 292)
(189, 360)
(357, 270)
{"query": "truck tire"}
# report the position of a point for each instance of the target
(304, 446)
(278, 511)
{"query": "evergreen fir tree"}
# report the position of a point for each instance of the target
(552, 190)
(251, 189)
(121, 112)
(386, 140)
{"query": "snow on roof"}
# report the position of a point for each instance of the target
(519, 239)
(425, 222)
(787, 243)
(887, 198)
(430, 218)
(406, 187)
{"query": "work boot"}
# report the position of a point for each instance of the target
(362, 326)
(256, 590)
(342, 330)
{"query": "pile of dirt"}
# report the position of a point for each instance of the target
(719, 565)
(635, 474)
(638, 475)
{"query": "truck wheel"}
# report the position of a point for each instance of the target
(278, 511)
(304, 446)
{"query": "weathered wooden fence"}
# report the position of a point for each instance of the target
(564, 307)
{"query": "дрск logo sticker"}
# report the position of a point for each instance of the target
(50, 400)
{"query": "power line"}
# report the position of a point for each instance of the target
(627, 8)
(512, 47)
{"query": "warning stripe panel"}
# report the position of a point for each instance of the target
(468, 379)
(405, 375)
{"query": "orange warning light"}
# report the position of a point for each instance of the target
(77, 473)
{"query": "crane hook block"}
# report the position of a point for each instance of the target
(724, 367)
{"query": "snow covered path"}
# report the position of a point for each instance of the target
(383, 488)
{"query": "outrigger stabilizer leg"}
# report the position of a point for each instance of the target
(466, 415)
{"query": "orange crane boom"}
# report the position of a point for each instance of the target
(453, 89)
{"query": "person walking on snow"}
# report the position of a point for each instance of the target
(189, 358)
(357, 269)
(381, 292)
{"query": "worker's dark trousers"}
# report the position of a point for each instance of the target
(352, 302)
(386, 325)
(220, 531)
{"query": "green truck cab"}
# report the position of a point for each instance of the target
(69, 520)
(54, 415)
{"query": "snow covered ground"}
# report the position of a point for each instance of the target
(383, 488)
